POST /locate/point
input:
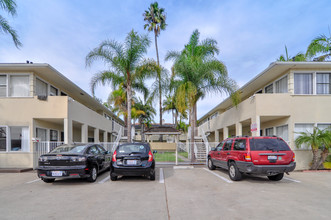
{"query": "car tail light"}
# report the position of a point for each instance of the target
(248, 157)
(293, 158)
(114, 156)
(150, 156)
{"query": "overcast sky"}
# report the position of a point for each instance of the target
(250, 34)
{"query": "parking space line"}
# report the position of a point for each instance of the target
(33, 181)
(161, 176)
(297, 181)
(221, 177)
(104, 180)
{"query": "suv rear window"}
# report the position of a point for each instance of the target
(132, 148)
(268, 145)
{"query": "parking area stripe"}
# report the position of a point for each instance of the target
(104, 180)
(221, 177)
(297, 181)
(161, 176)
(33, 181)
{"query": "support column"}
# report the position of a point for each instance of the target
(84, 131)
(105, 136)
(225, 133)
(239, 129)
(176, 142)
(255, 126)
(67, 128)
(217, 136)
(96, 135)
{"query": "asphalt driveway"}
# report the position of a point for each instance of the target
(182, 192)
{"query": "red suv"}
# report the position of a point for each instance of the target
(268, 156)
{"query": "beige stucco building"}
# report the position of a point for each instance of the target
(286, 98)
(37, 103)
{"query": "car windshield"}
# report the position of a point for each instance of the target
(132, 148)
(69, 149)
(271, 144)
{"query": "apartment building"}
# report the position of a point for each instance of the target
(37, 103)
(287, 97)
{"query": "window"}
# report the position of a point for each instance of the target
(53, 135)
(93, 150)
(282, 131)
(3, 85)
(239, 144)
(19, 86)
(101, 149)
(220, 146)
(324, 126)
(323, 83)
(303, 128)
(41, 88)
(269, 89)
(303, 83)
(281, 85)
(3, 138)
(227, 145)
(269, 131)
(41, 134)
(274, 144)
(54, 91)
(19, 139)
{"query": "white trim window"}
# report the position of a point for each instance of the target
(300, 127)
(41, 134)
(303, 83)
(282, 131)
(324, 126)
(323, 83)
(269, 88)
(3, 85)
(41, 88)
(281, 86)
(269, 131)
(3, 138)
(19, 86)
(53, 91)
(14, 139)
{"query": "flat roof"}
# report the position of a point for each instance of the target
(50, 74)
(274, 70)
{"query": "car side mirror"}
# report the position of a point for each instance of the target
(213, 149)
(154, 151)
(107, 152)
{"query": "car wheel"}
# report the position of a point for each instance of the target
(276, 177)
(48, 180)
(152, 174)
(93, 175)
(211, 165)
(234, 172)
(113, 177)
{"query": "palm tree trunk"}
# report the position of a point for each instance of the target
(129, 111)
(315, 159)
(142, 131)
(157, 50)
(159, 75)
(323, 157)
(176, 120)
(192, 135)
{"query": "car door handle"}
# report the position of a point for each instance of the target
(228, 154)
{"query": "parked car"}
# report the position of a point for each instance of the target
(74, 161)
(268, 156)
(133, 159)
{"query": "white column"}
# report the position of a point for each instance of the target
(256, 126)
(67, 128)
(84, 131)
(239, 129)
(176, 142)
(105, 136)
(96, 135)
(225, 133)
(217, 136)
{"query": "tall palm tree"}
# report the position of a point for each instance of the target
(126, 65)
(316, 140)
(10, 7)
(197, 72)
(298, 57)
(320, 47)
(156, 21)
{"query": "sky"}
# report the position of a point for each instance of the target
(250, 34)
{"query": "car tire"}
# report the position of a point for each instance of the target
(276, 177)
(113, 177)
(234, 172)
(152, 175)
(93, 175)
(48, 180)
(211, 166)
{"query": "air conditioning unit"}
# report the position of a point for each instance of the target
(42, 97)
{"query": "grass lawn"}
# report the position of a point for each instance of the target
(166, 157)
(183, 154)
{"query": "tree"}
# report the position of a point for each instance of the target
(318, 139)
(156, 21)
(298, 57)
(320, 47)
(197, 72)
(126, 62)
(10, 7)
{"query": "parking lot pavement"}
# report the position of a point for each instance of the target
(182, 193)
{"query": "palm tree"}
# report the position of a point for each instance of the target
(10, 7)
(298, 57)
(320, 47)
(126, 62)
(155, 21)
(317, 139)
(196, 73)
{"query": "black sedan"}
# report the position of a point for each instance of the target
(133, 159)
(74, 161)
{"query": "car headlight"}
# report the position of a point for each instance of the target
(78, 159)
(43, 159)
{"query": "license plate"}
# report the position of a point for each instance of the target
(131, 162)
(57, 173)
(272, 157)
